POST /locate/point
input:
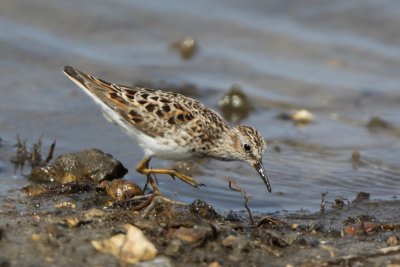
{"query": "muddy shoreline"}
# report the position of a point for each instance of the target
(184, 237)
(57, 225)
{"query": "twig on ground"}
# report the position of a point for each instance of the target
(246, 199)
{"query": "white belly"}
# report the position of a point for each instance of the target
(152, 147)
(156, 147)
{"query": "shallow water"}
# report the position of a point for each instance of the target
(340, 60)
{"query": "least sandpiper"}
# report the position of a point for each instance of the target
(168, 125)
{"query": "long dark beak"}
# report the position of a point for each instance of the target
(260, 168)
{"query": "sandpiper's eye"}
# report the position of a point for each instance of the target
(246, 147)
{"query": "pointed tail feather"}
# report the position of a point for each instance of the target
(87, 82)
(102, 92)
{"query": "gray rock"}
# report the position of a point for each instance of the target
(86, 165)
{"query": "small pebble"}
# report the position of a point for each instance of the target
(214, 264)
(72, 222)
(35, 237)
(302, 116)
(294, 226)
(187, 47)
(121, 190)
(65, 205)
(189, 235)
(92, 214)
(393, 241)
(235, 105)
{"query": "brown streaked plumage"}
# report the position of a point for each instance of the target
(172, 126)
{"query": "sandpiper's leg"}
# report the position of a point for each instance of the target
(174, 173)
(143, 167)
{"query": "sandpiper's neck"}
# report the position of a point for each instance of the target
(225, 147)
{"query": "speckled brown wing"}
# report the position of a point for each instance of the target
(151, 111)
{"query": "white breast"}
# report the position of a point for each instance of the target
(158, 147)
(152, 147)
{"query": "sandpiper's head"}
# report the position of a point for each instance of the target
(250, 146)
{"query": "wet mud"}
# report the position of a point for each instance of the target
(184, 236)
(83, 221)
